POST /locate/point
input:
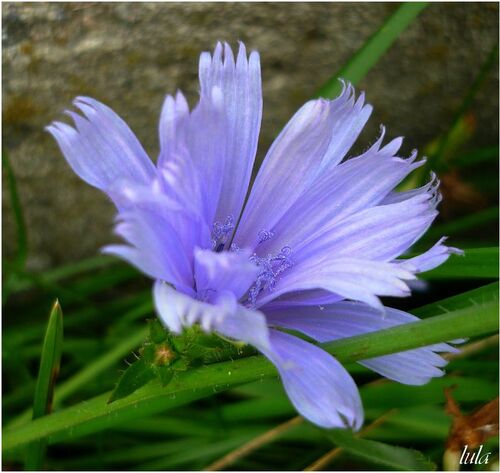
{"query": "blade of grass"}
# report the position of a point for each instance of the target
(415, 423)
(254, 444)
(389, 456)
(98, 366)
(480, 263)
(463, 224)
(369, 54)
(21, 334)
(327, 458)
(477, 297)
(96, 415)
(66, 272)
(206, 451)
(434, 158)
(44, 389)
(477, 156)
(22, 235)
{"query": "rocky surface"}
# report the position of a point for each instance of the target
(129, 55)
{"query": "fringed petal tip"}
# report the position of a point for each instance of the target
(432, 258)
(224, 56)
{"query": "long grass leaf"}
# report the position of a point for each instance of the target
(389, 456)
(22, 234)
(478, 263)
(368, 55)
(433, 160)
(469, 222)
(44, 389)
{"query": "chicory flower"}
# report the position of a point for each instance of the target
(313, 248)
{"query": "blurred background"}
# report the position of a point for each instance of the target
(129, 55)
(437, 85)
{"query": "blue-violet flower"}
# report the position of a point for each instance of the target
(312, 249)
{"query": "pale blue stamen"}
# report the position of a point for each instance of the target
(272, 266)
(264, 235)
(221, 233)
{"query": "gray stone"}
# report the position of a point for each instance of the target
(129, 55)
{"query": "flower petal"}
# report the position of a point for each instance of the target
(432, 258)
(154, 233)
(225, 271)
(380, 233)
(177, 310)
(317, 384)
(241, 88)
(347, 319)
(102, 149)
(360, 280)
(172, 128)
(353, 186)
(316, 138)
(220, 136)
(246, 325)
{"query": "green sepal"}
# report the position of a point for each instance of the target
(148, 352)
(134, 377)
(164, 374)
(179, 365)
(157, 333)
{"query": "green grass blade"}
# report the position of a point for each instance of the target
(478, 297)
(463, 224)
(44, 390)
(95, 414)
(478, 156)
(22, 235)
(95, 368)
(389, 456)
(365, 58)
(64, 272)
(433, 160)
(478, 263)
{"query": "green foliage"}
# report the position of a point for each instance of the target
(369, 54)
(387, 456)
(479, 263)
(197, 383)
(47, 374)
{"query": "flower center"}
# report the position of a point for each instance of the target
(271, 267)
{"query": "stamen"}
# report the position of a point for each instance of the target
(264, 235)
(221, 233)
(272, 266)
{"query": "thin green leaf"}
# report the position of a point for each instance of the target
(65, 272)
(479, 263)
(47, 374)
(134, 377)
(463, 224)
(365, 58)
(428, 422)
(96, 367)
(434, 158)
(478, 297)
(477, 156)
(96, 415)
(389, 456)
(391, 395)
(22, 236)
